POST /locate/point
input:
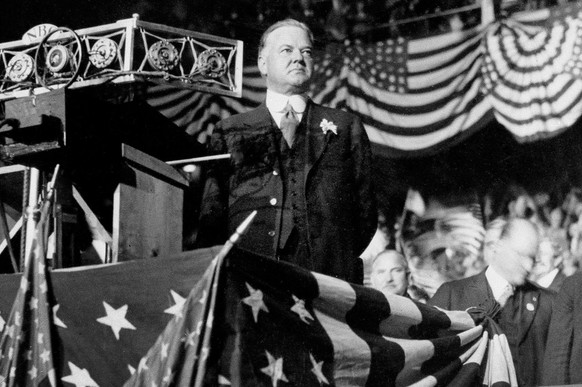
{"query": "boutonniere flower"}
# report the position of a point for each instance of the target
(326, 126)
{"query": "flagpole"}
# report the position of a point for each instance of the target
(240, 231)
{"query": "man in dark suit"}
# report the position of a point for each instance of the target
(563, 358)
(304, 167)
(510, 250)
(547, 271)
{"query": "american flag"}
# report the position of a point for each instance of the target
(102, 318)
(417, 96)
(26, 344)
(185, 321)
(532, 72)
(275, 324)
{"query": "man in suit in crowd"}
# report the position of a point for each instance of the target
(390, 273)
(510, 250)
(304, 167)
(563, 358)
(547, 270)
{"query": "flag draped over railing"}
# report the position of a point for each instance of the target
(256, 321)
(277, 324)
(416, 96)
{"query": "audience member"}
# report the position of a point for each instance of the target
(510, 250)
(563, 355)
(390, 273)
(547, 269)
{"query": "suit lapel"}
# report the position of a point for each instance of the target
(527, 301)
(316, 140)
(480, 289)
(262, 121)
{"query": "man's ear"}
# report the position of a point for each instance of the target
(262, 65)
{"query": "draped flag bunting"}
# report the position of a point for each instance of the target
(102, 319)
(250, 321)
(275, 324)
(416, 96)
(26, 344)
(412, 95)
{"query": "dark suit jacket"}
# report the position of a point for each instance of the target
(526, 332)
(563, 359)
(341, 210)
(557, 282)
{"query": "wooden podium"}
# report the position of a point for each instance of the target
(147, 208)
(112, 161)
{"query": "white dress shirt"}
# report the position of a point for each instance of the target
(276, 104)
(497, 283)
(547, 279)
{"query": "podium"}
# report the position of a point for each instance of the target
(114, 181)
(147, 208)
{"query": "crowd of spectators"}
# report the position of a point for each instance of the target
(330, 20)
(558, 219)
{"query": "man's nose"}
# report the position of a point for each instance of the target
(296, 55)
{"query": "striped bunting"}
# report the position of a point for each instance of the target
(275, 324)
(436, 97)
(417, 96)
(532, 74)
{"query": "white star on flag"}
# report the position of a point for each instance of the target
(299, 308)
(45, 356)
(115, 319)
(79, 377)
(223, 381)
(176, 309)
(274, 369)
(58, 321)
(131, 369)
(168, 377)
(255, 301)
(33, 372)
(142, 366)
(317, 370)
(33, 303)
(164, 351)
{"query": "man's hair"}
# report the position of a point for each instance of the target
(501, 229)
(283, 23)
(495, 229)
(393, 252)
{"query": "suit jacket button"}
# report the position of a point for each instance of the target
(275, 173)
(273, 201)
(271, 233)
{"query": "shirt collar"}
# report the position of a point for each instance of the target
(496, 282)
(547, 279)
(276, 102)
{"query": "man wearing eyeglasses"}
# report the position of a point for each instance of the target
(510, 250)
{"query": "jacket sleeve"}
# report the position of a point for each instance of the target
(214, 206)
(366, 210)
(442, 297)
(560, 336)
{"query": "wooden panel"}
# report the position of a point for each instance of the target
(147, 213)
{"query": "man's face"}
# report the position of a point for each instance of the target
(286, 60)
(389, 274)
(546, 260)
(515, 255)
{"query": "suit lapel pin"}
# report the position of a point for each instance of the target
(529, 306)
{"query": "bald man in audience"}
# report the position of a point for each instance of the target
(390, 273)
(526, 308)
